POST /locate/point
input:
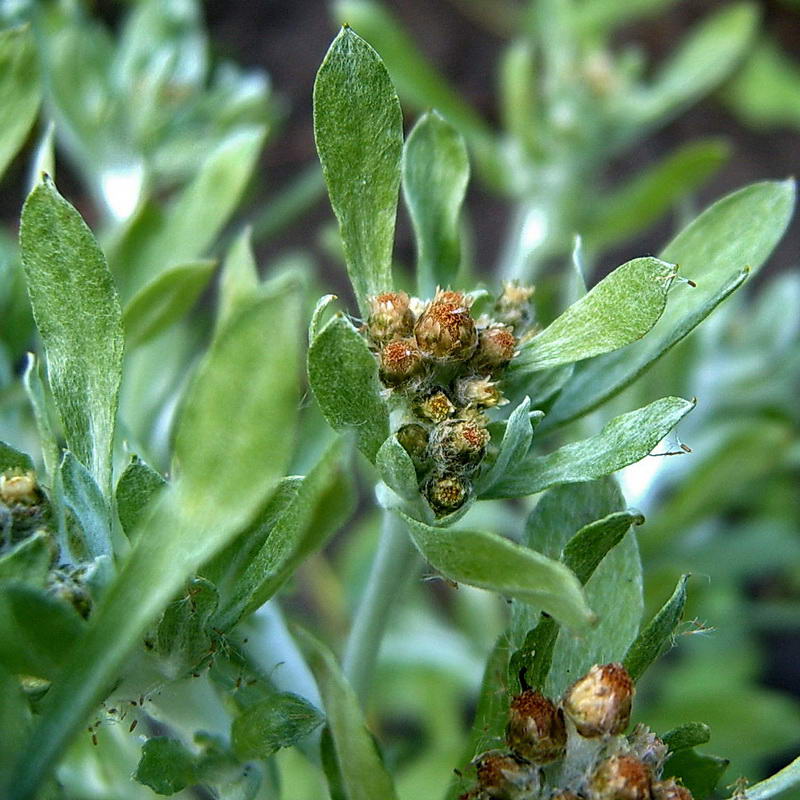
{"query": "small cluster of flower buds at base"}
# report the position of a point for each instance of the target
(23, 506)
(581, 743)
(441, 368)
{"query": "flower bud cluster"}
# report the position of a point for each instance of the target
(441, 367)
(581, 742)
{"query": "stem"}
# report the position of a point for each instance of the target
(395, 562)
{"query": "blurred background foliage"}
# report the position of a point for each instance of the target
(185, 128)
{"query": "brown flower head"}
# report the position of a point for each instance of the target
(670, 790)
(446, 493)
(599, 703)
(536, 728)
(513, 307)
(400, 360)
(496, 347)
(459, 442)
(389, 317)
(478, 392)
(505, 776)
(436, 407)
(445, 331)
(620, 778)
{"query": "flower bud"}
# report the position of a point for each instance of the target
(436, 407)
(505, 776)
(496, 347)
(478, 392)
(648, 748)
(620, 778)
(414, 440)
(446, 493)
(390, 317)
(445, 331)
(513, 307)
(536, 728)
(599, 703)
(400, 360)
(19, 488)
(670, 790)
(460, 442)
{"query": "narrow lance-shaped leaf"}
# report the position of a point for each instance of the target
(397, 469)
(136, 489)
(737, 232)
(358, 128)
(658, 635)
(34, 388)
(344, 378)
(227, 473)
(19, 90)
(622, 308)
(361, 769)
(623, 440)
(239, 278)
(435, 176)
(491, 562)
(77, 311)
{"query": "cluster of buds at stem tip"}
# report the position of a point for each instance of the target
(442, 370)
(584, 733)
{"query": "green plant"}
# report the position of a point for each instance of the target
(133, 602)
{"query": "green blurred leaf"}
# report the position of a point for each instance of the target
(698, 772)
(79, 318)
(136, 488)
(343, 375)
(435, 177)
(84, 498)
(514, 446)
(737, 232)
(15, 719)
(11, 458)
(397, 469)
(164, 300)
(647, 197)
(685, 736)
(166, 766)
(620, 309)
(227, 473)
(361, 768)
(238, 279)
(519, 94)
(491, 562)
(358, 128)
(659, 635)
(282, 720)
(622, 441)
(29, 561)
(20, 92)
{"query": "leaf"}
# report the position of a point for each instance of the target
(34, 388)
(37, 631)
(435, 177)
(344, 378)
(77, 312)
(228, 473)
(238, 279)
(620, 309)
(11, 458)
(738, 231)
(15, 719)
(164, 300)
(785, 779)
(698, 772)
(29, 561)
(397, 469)
(136, 488)
(622, 441)
(685, 736)
(358, 127)
(658, 635)
(643, 200)
(84, 498)
(491, 562)
(166, 766)
(363, 774)
(20, 92)
(282, 720)
(514, 446)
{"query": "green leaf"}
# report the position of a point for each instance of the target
(491, 562)
(136, 489)
(39, 400)
(166, 766)
(435, 177)
(30, 560)
(685, 736)
(78, 315)
(15, 719)
(20, 92)
(358, 128)
(397, 469)
(239, 277)
(227, 473)
(362, 772)
(37, 631)
(785, 779)
(698, 772)
(84, 498)
(164, 300)
(622, 441)
(11, 458)
(622, 308)
(737, 232)
(643, 200)
(282, 720)
(514, 446)
(658, 635)
(343, 375)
